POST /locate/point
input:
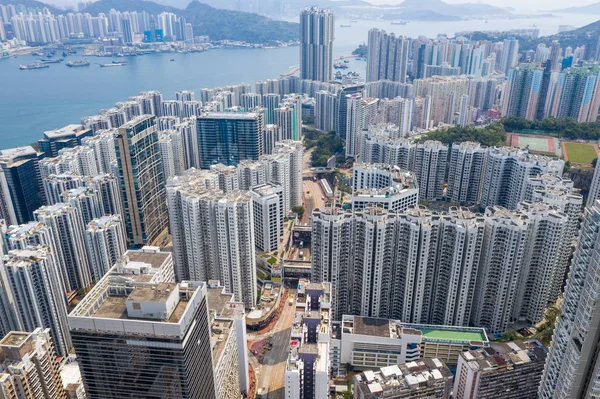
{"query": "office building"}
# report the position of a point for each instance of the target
(21, 184)
(213, 235)
(387, 57)
(66, 137)
(267, 205)
(67, 225)
(571, 369)
(38, 298)
(316, 44)
(105, 242)
(506, 173)
(229, 138)
(132, 317)
(427, 378)
(465, 171)
(29, 366)
(142, 181)
(362, 338)
(512, 368)
(308, 364)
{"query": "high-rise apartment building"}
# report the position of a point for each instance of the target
(326, 105)
(387, 57)
(267, 206)
(506, 173)
(29, 366)
(316, 44)
(465, 172)
(360, 114)
(142, 180)
(67, 225)
(38, 297)
(522, 91)
(572, 367)
(172, 153)
(576, 94)
(229, 137)
(20, 184)
(213, 235)
(430, 169)
(105, 242)
(510, 55)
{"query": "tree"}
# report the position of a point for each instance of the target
(509, 335)
(299, 210)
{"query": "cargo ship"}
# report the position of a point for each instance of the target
(37, 65)
(75, 64)
(48, 61)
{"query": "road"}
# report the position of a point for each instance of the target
(272, 372)
(314, 198)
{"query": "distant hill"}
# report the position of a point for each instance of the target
(216, 23)
(33, 4)
(589, 9)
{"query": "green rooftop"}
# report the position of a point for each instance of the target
(453, 335)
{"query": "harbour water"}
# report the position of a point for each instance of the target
(33, 101)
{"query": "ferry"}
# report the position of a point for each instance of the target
(353, 21)
(37, 65)
(75, 64)
(345, 26)
(48, 61)
(340, 66)
(113, 64)
(399, 22)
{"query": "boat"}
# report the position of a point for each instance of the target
(75, 64)
(345, 26)
(36, 65)
(113, 64)
(346, 62)
(172, 59)
(37, 53)
(353, 21)
(399, 22)
(48, 61)
(340, 66)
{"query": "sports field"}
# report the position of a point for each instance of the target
(538, 144)
(580, 152)
(452, 335)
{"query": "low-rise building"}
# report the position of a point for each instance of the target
(369, 343)
(423, 379)
(511, 370)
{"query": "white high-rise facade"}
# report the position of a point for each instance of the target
(172, 152)
(38, 300)
(213, 235)
(572, 367)
(105, 243)
(465, 172)
(430, 169)
(316, 44)
(268, 216)
(387, 57)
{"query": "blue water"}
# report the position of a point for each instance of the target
(33, 101)
(38, 100)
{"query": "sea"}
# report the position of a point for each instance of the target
(34, 101)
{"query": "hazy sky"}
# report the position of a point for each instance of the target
(529, 5)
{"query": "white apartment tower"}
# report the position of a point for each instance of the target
(572, 368)
(465, 172)
(316, 44)
(267, 205)
(105, 242)
(430, 169)
(38, 299)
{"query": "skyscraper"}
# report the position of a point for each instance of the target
(465, 173)
(142, 181)
(154, 334)
(430, 169)
(213, 235)
(229, 138)
(267, 206)
(572, 367)
(387, 57)
(522, 92)
(105, 243)
(316, 44)
(21, 184)
(510, 55)
(38, 297)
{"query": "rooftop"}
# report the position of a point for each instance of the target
(249, 116)
(220, 330)
(453, 335)
(371, 326)
(69, 130)
(15, 338)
